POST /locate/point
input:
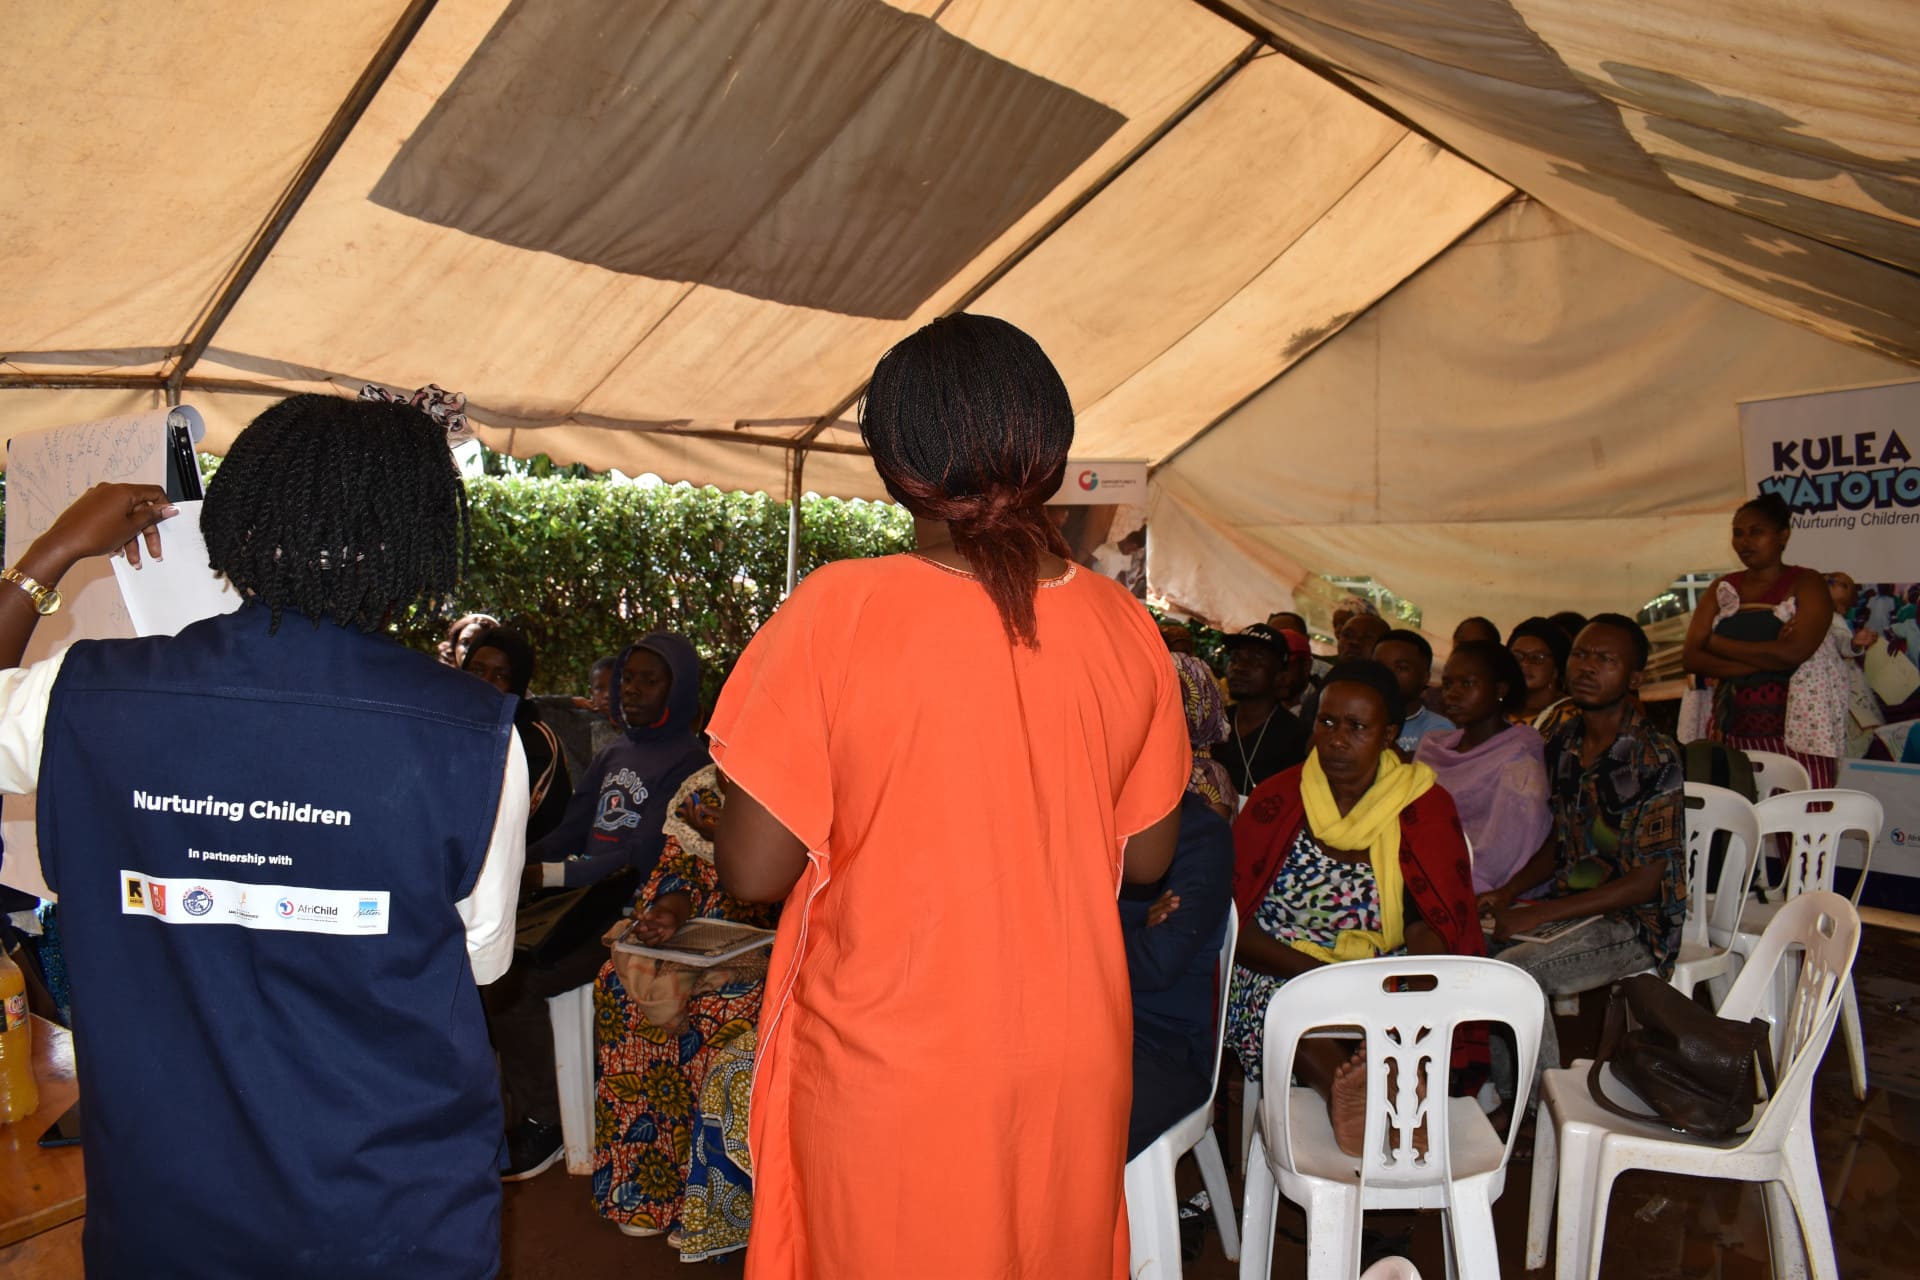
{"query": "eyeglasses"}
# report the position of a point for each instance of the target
(1532, 659)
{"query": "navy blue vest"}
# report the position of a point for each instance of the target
(258, 841)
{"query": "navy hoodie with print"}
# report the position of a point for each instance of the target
(617, 813)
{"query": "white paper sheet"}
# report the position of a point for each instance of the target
(165, 595)
(46, 471)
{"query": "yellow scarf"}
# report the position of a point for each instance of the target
(1373, 825)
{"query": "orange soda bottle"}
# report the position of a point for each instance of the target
(19, 1095)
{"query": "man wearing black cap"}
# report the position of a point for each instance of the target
(1263, 737)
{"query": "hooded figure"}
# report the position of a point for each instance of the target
(504, 659)
(617, 814)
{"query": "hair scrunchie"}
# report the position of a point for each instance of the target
(448, 409)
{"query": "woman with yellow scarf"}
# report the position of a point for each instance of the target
(1352, 854)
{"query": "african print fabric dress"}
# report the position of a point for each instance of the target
(670, 1107)
(1315, 898)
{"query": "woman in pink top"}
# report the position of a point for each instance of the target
(1495, 770)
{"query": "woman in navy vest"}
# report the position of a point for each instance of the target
(276, 916)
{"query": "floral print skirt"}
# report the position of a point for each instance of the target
(670, 1116)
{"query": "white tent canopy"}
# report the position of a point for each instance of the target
(1536, 422)
(673, 237)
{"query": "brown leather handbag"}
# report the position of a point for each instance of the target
(1697, 1071)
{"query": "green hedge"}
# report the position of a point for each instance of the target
(586, 567)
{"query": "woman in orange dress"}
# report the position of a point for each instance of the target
(945, 762)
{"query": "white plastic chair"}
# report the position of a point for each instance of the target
(1706, 952)
(1411, 1031)
(571, 1013)
(1581, 1147)
(1395, 1268)
(1774, 774)
(1814, 822)
(1153, 1205)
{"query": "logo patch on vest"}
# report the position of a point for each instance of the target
(295, 909)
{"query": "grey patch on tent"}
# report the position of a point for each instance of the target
(1892, 242)
(1760, 136)
(835, 154)
(1843, 312)
(1305, 340)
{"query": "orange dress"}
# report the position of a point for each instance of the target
(945, 1044)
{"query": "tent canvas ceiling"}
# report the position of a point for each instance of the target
(1538, 421)
(674, 235)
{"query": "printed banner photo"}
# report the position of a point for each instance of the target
(1844, 461)
(1102, 510)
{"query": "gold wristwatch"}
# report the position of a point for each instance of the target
(46, 599)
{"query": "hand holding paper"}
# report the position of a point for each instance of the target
(164, 595)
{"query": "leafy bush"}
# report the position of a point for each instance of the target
(585, 567)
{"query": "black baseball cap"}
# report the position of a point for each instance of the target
(1281, 644)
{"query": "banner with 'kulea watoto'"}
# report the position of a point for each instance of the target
(1844, 461)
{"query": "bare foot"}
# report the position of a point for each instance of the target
(1347, 1103)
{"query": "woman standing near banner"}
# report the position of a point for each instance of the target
(1753, 631)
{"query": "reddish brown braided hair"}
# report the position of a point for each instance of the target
(969, 424)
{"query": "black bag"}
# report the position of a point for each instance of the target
(1694, 1069)
(551, 923)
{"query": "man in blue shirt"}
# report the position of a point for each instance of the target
(1408, 655)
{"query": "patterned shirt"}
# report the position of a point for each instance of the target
(1625, 811)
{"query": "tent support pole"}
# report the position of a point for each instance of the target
(796, 470)
(385, 58)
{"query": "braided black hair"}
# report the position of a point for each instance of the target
(969, 423)
(349, 510)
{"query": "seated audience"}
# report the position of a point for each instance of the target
(1353, 854)
(600, 678)
(1541, 647)
(611, 837)
(1476, 628)
(1355, 638)
(614, 819)
(502, 657)
(1358, 636)
(600, 685)
(460, 633)
(1570, 622)
(1317, 668)
(1206, 729)
(1350, 608)
(1754, 632)
(1172, 932)
(1495, 770)
(1617, 850)
(673, 1047)
(1263, 737)
(1408, 655)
